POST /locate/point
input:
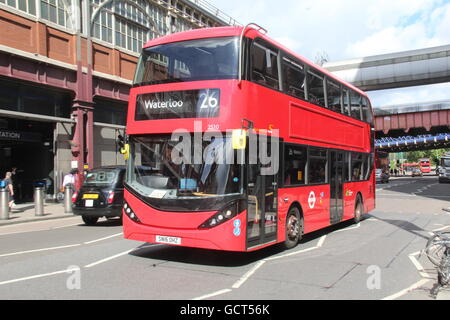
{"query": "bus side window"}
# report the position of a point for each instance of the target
(294, 78)
(316, 92)
(346, 102)
(355, 100)
(334, 96)
(366, 110)
(264, 66)
(317, 166)
(357, 167)
(294, 165)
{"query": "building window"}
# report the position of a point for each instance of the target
(103, 26)
(28, 6)
(106, 111)
(55, 11)
(130, 36)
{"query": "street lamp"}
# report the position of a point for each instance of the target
(82, 109)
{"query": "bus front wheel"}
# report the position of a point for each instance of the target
(359, 210)
(294, 228)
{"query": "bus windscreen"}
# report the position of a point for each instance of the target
(193, 60)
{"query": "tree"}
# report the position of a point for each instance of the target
(321, 58)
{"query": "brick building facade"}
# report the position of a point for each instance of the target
(66, 67)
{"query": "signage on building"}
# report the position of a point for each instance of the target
(20, 136)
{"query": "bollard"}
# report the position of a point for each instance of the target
(68, 199)
(38, 201)
(4, 204)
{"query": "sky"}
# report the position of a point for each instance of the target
(345, 29)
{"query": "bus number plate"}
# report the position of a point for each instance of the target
(168, 240)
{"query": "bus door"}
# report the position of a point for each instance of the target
(262, 210)
(337, 164)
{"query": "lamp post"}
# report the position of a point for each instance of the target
(83, 105)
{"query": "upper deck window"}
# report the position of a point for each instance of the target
(193, 60)
(294, 78)
(315, 88)
(264, 62)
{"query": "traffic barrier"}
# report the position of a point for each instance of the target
(38, 201)
(68, 192)
(4, 204)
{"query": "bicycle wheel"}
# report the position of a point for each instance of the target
(434, 249)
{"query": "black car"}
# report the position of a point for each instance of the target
(101, 194)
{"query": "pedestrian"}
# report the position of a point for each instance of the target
(9, 186)
(69, 180)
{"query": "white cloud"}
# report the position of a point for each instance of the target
(410, 95)
(347, 29)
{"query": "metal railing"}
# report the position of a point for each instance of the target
(412, 107)
(208, 7)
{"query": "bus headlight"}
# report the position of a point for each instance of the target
(130, 213)
(229, 212)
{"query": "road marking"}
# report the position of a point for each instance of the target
(69, 225)
(413, 287)
(440, 229)
(248, 274)
(104, 238)
(4, 232)
(39, 250)
(321, 241)
(214, 294)
(349, 228)
(38, 276)
(59, 247)
(426, 278)
(109, 258)
(417, 264)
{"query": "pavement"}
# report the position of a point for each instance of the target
(25, 212)
(400, 221)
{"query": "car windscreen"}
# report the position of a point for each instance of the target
(101, 176)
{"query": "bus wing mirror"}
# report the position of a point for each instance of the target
(239, 139)
(120, 141)
(125, 151)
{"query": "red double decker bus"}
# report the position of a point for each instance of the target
(424, 164)
(236, 143)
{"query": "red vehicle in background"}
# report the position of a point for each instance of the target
(424, 164)
(236, 143)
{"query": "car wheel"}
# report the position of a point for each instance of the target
(294, 228)
(89, 221)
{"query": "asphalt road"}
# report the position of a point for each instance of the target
(376, 259)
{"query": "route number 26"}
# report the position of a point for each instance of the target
(209, 99)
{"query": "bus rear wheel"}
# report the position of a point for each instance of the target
(294, 228)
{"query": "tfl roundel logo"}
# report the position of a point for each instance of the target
(237, 227)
